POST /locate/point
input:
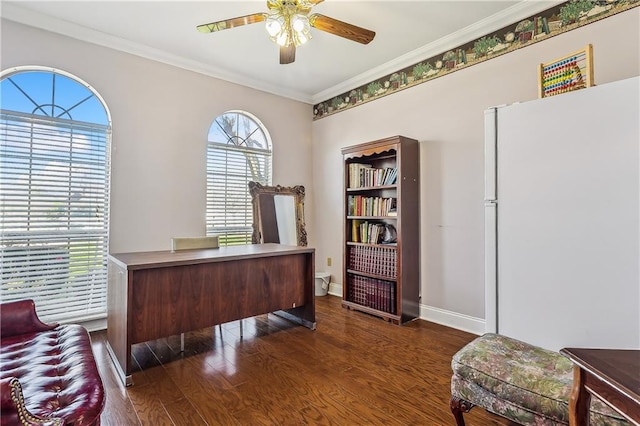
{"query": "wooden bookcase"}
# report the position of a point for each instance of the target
(380, 277)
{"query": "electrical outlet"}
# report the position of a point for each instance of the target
(328, 261)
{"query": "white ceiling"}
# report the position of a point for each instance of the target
(406, 33)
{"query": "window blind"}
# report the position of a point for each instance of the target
(54, 215)
(229, 169)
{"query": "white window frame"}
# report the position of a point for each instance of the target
(54, 206)
(232, 162)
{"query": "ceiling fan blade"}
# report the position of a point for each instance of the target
(287, 54)
(231, 23)
(342, 29)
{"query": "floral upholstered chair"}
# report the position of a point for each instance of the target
(521, 382)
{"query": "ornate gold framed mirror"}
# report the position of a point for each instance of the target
(278, 214)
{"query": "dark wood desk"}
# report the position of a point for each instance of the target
(613, 375)
(158, 294)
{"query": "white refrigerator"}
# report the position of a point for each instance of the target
(562, 219)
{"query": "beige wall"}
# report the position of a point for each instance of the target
(161, 115)
(446, 116)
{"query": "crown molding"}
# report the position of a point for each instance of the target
(31, 18)
(524, 9)
(474, 31)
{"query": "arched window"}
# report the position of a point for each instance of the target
(55, 134)
(238, 151)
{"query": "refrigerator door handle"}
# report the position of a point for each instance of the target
(490, 151)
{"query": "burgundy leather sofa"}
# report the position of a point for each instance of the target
(57, 378)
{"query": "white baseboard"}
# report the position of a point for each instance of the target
(453, 319)
(439, 316)
(335, 289)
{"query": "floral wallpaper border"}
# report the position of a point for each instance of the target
(551, 22)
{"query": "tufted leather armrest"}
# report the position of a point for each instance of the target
(20, 317)
(14, 410)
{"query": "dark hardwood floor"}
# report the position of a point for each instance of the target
(355, 369)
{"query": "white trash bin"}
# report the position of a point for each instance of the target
(322, 283)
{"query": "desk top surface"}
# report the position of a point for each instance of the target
(158, 259)
(618, 367)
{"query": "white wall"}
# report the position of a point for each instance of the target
(161, 115)
(446, 116)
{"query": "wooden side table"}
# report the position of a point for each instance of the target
(613, 375)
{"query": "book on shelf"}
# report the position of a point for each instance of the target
(366, 232)
(376, 294)
(355, 230)
(392, 176)
(355, 173)
(374, 260)
(393, 208)
(357, 205)
(365, 175)
(374, 233)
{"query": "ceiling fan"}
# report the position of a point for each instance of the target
(288, 23)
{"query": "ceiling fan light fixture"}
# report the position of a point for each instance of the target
(289, 23)
(286, 29)
(301, 29)
(277, 27)
(283, 39)
(300, 23)
(275, 24)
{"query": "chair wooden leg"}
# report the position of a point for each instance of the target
(458, 407)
